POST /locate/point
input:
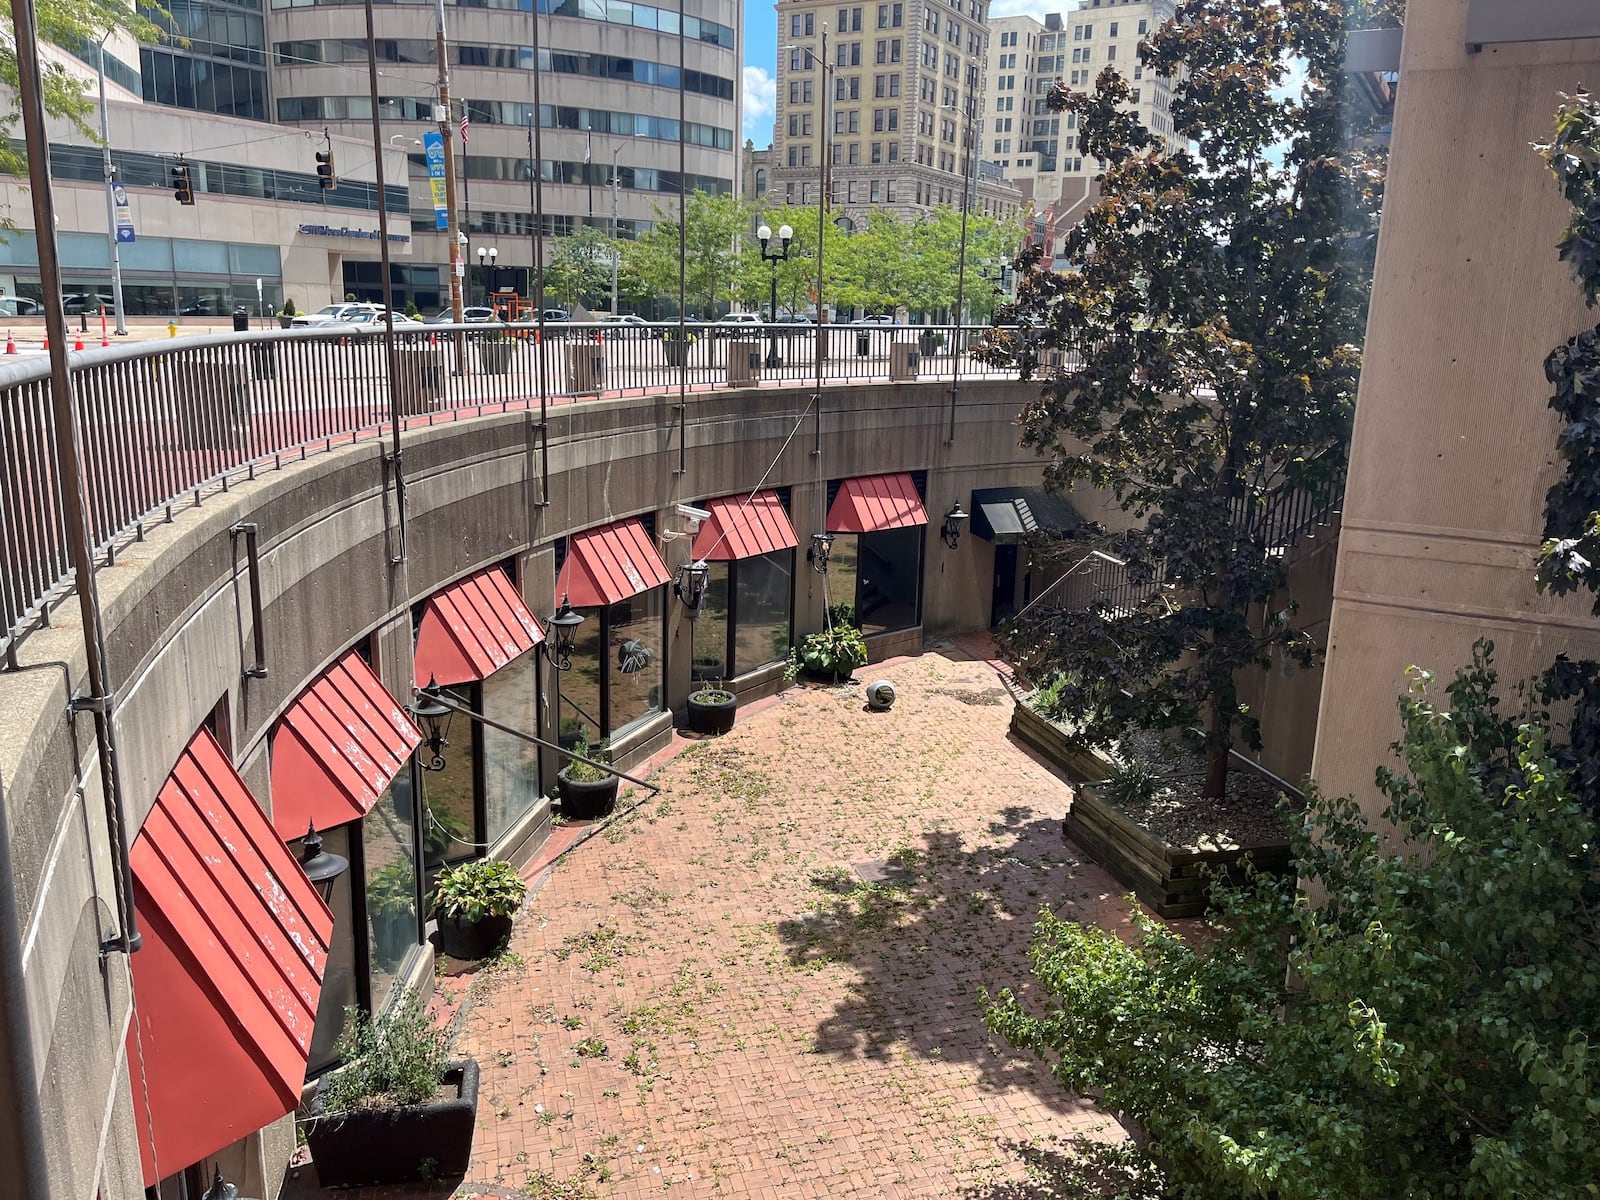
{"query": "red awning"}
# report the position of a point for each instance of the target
(225, 989)
(869, 503)
(336, 749)
(473, 628)
(610, 564)
(743, 530)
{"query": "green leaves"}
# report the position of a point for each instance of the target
(1218, 310)
(1423, 1030)
(478, 889)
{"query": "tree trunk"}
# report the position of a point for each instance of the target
(1216, 756)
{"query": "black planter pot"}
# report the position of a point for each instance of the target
(584, 801)
(711, 716)
(394, 931)
(460, 938)
(706, 670)
(396, 1145)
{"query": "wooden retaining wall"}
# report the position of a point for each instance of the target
(1173, 882)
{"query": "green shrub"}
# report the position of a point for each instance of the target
(1130, 785)
(392, 888)
(474, 890)
(289, 309)
(582, 772)
(834, 652)
(398, 1059)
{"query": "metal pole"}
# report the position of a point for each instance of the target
(616, 256)
(388, 285)
(822, 220)
(99, 699)
(538, 273)
(111, 206)
(683, 250)
(969, 176)
(441, 51)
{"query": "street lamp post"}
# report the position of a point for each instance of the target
(487, 254)
(968, 186)
(764, 235)
(111, 201)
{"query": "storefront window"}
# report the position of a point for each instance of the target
(636, 660)
(339, 976)
(763, 593)
(580, 687)
(391, 886)
(711, 628)
(510, 765)
(880, 575)
(618, 669)
(450, 809)
(744, 621)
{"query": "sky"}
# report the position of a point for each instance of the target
(761, 53)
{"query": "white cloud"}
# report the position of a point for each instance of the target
(1031, 8)
(760, 103)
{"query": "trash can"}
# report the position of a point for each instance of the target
(744, 362)
(863, 343)
(904, 361)
(263, 355)
(586, 367)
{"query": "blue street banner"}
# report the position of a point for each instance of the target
(433, 151)
(124, 215)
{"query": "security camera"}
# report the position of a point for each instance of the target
(692, 513)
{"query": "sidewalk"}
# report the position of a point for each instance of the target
(707, 997)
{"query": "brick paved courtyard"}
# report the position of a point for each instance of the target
(707, 999)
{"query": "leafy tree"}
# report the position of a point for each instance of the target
(797, 276)
(77, 28)
(1218, 313)
(713, 228)
(579, 270)
(1433, 1039)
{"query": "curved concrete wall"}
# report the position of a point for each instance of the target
(176, 617)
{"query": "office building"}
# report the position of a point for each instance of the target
(893, 108)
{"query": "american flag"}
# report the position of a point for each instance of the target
(464, 124)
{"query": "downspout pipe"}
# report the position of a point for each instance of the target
(98, 699)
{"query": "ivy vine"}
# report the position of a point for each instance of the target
(1569, 559)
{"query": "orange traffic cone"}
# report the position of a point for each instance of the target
(104, 340)
(78, 343)
(11, 343)
(46, 345)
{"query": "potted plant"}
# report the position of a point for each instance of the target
(831, 654)
(398, 1110)
(474, 903)
(678, 350)
(287, 314)
(928, 341)
(712, 709)
(392, 906)
(586, 791)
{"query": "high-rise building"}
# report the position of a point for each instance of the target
(610, 78)
(889, 95)
(1037, 148)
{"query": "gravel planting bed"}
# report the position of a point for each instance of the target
(1179, 815)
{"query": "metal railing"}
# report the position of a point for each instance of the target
(164, 424)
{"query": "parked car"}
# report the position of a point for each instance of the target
(879, 319)
(86, 302)
(19, 306)
(735, 324)
(556, 314)
(471, 315)
(332, 314)
(375, 316)
(619, 326)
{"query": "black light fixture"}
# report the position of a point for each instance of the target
(321, 869)
(954, 522)
(774, 257)
(433, 716)
(821, 546)
(220, 1189)
(564, 625)
(690, 585)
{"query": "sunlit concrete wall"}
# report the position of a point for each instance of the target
(1454, 446)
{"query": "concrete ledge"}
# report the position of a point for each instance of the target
(894, 645)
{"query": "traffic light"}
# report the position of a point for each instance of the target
(182, 188)
(325, 177)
